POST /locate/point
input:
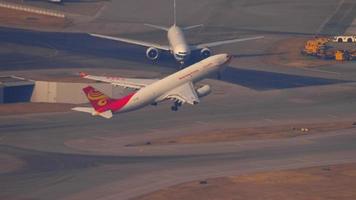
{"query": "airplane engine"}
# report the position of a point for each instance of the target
(203, 91)
(152, 53)
(205, 53)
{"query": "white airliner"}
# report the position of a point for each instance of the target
(178, 87)
(178, 45)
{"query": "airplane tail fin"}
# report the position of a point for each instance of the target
(175, 13)
(174, 20)
(97, 99)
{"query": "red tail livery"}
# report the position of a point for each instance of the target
(98, 100)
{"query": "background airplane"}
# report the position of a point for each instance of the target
(178, 45)
(178, 87)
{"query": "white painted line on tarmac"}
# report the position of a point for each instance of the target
(330, 16)
(322, 71)
(352, 29)
(31, 9)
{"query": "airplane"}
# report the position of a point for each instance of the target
(178, 45)
(178, 87)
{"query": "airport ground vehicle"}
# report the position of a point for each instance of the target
(325, 48)
(344, 38)
(315, 47)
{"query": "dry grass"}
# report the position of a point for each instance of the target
(318, 183)
(14, 18)
(9, 163)
(268, 132)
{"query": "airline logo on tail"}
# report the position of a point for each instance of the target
(97, 99)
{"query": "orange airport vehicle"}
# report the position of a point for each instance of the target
(314, 46)
(322, 48)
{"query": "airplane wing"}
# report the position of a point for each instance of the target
(136, 42)
(218, 43)
(183, 94)
(133, 83)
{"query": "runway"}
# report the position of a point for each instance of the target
(51, 174)
(69, 155)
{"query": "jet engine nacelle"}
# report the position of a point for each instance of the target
(205, 53)
(203, 91)
(152, 53)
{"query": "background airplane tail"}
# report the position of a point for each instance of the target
(97, 99)
(174, 20)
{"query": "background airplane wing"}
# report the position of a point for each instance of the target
(136, 42)
(218, 43)
(133, 83)
(184, 94)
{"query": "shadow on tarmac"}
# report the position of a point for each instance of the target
(86, 45)
(263, 80)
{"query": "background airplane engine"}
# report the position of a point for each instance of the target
(152, 53)
(205, 53)
(204, 90)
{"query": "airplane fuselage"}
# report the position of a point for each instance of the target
(153, 93)
(179, 46)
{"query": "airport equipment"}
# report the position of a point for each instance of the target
(315, 47)
(341, 55)
(324, 48)
(344, 38)
(352, 55)
(15, 89)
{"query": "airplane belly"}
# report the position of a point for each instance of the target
(141, 99)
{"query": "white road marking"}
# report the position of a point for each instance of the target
(322, 71)
(330, 16)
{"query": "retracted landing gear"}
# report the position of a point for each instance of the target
(176, 106)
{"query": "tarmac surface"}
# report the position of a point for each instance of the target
(71, 155)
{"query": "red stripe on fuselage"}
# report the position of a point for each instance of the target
(190, 74)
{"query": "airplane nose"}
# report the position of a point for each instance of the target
(228, 58)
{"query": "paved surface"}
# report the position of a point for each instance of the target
(63, 159)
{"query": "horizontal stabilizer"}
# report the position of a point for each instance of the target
(157, 27)
(131, 41)
(218, 43)
(193, 27)
(84, 109)
(107, 114)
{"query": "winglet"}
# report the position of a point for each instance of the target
(83, 74)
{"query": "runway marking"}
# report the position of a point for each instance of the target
(333, 116)
(330, 17)
(97, 15)
(322, 71)
(32, 9)
(352, 28)
(268, 120)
